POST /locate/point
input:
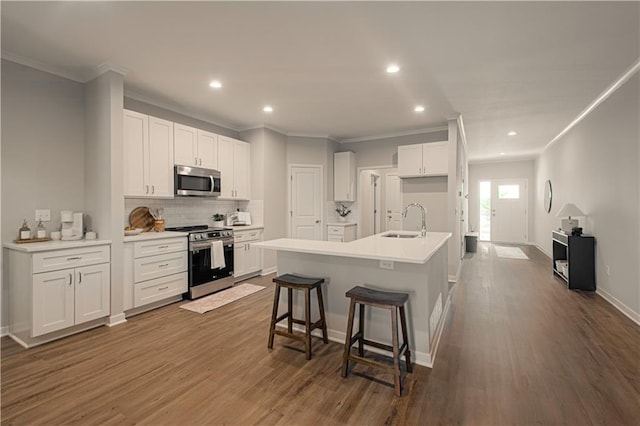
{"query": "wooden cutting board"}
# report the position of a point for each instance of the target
(141, 218)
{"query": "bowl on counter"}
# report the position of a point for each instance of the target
(130, 232)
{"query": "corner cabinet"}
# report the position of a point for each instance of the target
(55, 293)
(344, 176)
(341, 233)
(423, 160)
(234, 162)
(148, 156)
(247, 260)
(574, 260)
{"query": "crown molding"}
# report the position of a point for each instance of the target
(41, 66)
(505, 159)
(394, 135)
(288, 134)
(106, 67)
(175, 107)
(597, 101)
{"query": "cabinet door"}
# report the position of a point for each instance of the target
(410, 160)
(344, 176)
(254, 258)
(135, 144)
(225, 166)
(239, 260)
(185, 141)
(335, 238)
(92, 292)
(241, 164)
(208, 149)
(160, 157)
(349, 233)
(435, 159)
(53, 307)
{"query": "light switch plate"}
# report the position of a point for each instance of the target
(43, 215)
(386, 264)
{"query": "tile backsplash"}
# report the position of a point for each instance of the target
(193, 211)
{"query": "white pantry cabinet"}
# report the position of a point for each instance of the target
(154, 270)
(195, 147)
(233, 163)
(246, 259)
(148, 156)
(425, 159)
(57, 290)
(344, 176)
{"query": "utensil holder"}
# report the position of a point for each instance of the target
(158, 225)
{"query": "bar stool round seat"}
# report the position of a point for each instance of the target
(382, 299)
(296, 282)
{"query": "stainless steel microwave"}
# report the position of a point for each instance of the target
(196, 182)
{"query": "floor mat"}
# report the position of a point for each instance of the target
(209, 303)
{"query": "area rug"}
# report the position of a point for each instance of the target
(510, 252)
(209, 303)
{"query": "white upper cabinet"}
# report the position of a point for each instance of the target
(233, 163)
(195, 147)
(425, 159)
(344, 176)
(148, 156)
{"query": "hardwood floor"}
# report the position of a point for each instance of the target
(517, 348)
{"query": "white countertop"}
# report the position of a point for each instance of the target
(377, 247)
(341, 224)
(145, 236)
(54, 245)
(246, 228)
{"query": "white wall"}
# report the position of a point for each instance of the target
(42, 149)
(523, 169)
(596, 167)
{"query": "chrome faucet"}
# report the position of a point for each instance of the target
(423, 231)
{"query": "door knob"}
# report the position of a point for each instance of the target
(317, 221)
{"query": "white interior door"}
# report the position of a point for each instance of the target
(366, 216)
(509, 205)
(393, 202)
(306, 204)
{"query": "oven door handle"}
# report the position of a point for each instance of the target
(204, 245)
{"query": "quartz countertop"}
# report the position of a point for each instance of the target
(341, 224)
(151, 235)
(54, 245)
(376, 247)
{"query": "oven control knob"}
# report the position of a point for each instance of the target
(197, 236)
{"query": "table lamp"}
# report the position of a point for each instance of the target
(569, 210)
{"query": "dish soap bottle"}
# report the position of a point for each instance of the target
(41, 231)
(25, 231)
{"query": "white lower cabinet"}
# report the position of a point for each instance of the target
(341, 233)
(154, 270)
(246, 259)
(54, 290)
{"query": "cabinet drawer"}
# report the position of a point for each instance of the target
(335, 238)
(151, 248)
(240, 237)
(335, 230)
(70, 258)
(158, 289)
(148, 268)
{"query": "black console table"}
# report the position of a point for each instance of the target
(579, 253)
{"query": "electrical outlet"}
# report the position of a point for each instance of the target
(608, 271)
(386, 264)
(43, 215)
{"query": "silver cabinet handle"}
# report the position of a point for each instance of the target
(201, 161)
(70, 279)
(195, 160)
(153, 189)
(163, 288)
(79, 277)
(317, 221)
(164, 265)
(74, 258)
(146, 191)
(163, 247)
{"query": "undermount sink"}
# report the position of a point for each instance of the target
(396, 235)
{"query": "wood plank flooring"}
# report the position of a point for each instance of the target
(517, 348)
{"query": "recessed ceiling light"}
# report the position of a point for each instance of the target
(419, 108)
(268, 108)
(512, 133)
(215, 84)
(502, 153)
(393, 68)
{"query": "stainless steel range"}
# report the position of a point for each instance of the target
(203, 278)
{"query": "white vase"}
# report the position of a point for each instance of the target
(218, 223)
(342, 218)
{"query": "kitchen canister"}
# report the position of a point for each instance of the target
(158, 225)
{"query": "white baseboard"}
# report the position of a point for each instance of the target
(439, 329)
(545, 252)
(627, 311)
(4, 331)
(116, 319)
(269, 271)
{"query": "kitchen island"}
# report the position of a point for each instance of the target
(416, 266)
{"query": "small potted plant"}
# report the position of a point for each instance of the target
(343, 211)
(218, 220)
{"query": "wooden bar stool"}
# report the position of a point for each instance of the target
(295, 282)
(381, 299)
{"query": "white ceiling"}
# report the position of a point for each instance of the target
(531, 67)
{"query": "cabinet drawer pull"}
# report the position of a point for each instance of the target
(153, 189)
(164, 265)
(74, 258)
(163, 247)
(163, 288)
(70, 279)
(146, 191)
(79, 277)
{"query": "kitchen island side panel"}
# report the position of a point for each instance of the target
(423, 282)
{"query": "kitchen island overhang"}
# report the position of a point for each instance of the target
(419, 269)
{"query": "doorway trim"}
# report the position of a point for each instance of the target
(359, 170)
(290, 195)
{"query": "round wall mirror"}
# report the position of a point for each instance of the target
(548, 196)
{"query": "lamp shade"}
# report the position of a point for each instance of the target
(569, 210)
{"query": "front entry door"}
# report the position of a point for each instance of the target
(306, 204)
(509, 205)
